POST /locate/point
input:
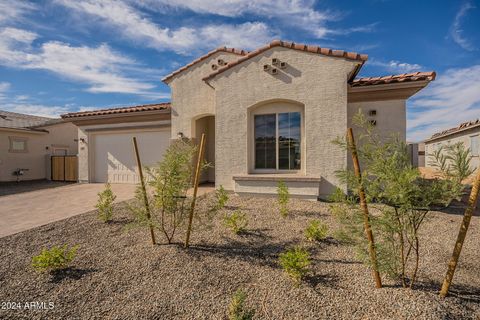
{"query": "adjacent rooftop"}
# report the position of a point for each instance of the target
(463, 126)
(13, 120)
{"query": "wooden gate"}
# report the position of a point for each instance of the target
(64, 168)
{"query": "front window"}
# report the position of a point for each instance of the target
(18, 144)
(278, 141)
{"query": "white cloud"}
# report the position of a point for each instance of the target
(4, 86)
(298, 13)
(100, 67)
(13, 10)
(125, 16)
(37, 109)
(450, 100)
(456, 31)
(247, 35)
(136, 27)
(395, 66)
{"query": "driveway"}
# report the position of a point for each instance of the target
(23, 211)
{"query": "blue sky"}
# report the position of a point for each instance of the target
(58, 56)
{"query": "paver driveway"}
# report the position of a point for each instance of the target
(19, 212)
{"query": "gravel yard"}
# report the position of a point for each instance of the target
(120, 275)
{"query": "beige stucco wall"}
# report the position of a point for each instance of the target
(317, 82)
(463, 136)
(391, 116)
(37, 158)
(191, 97)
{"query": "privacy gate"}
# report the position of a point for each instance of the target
(64, 168)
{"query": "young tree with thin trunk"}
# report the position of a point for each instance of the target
(400, 198)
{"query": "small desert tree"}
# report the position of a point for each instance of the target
(105, 203)
(283, 198)
(170, 180)
(401, 201)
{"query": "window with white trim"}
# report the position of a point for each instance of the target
(475, 145)
(18, 144)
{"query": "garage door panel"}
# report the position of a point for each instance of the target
(114, 158)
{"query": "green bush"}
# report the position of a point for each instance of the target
(236, 221)
(237, 309)
(283, 198)
(105, 203)
(54, 259)
(221, 196)
(295, 262)
(316, 231)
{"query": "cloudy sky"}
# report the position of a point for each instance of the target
(58, 56)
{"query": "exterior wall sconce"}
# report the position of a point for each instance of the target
(83, 140)
(372, 113)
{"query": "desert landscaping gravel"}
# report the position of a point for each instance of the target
(121, 275)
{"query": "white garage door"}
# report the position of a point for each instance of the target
(114, 156)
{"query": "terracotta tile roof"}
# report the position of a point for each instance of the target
(146, 107)
(404, 77)
(295, 46)
(220, 49)
(461, 127)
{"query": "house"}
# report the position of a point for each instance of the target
(468, 133)
(268, 115)
(27, 142)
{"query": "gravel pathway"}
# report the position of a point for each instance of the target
(120, 275)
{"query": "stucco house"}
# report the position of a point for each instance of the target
(467, 133)
(269, 115)
(27, 143)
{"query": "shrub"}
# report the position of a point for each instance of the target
(283, 198)
(295, 262)
(236, 221)
(105, 203)
(221, 197)
(237, 309)
(54, 259)
(316, 231)
(400, 197)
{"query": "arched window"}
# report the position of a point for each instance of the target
(277, 137)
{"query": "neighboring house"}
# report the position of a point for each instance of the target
(269, 115)
(27, 142)
(468, 133)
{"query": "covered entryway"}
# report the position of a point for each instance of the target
(114, 159)
(206, 124)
